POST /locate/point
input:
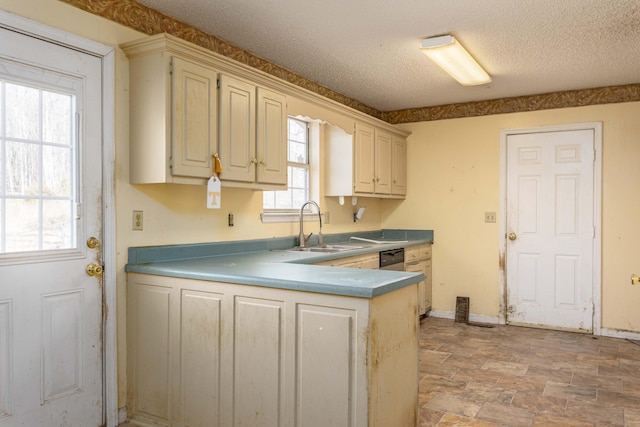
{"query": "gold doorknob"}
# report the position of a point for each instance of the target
(635, 279)
(94, 270)
(512, 236)
(93, 243)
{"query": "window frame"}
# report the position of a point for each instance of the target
(280, 214)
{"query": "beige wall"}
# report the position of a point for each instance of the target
(454, 177)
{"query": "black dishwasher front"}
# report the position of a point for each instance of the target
(392, 259)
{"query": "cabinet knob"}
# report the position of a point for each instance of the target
(254, 161)
(262, 162)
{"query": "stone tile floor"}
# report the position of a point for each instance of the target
(514, 376)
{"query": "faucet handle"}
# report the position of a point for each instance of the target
(307, 237)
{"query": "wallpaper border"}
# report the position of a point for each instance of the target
(149, 21)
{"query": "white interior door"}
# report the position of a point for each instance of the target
(550, 229)
(50, 205)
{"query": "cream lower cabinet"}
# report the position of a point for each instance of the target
(417, 259)
(215, 354)
(367, 261)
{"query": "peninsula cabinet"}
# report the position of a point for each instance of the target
(371, 164)
(202, 353)
(253, 135)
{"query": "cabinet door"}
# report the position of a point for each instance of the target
(423, 294)
(428, 287)
(382, 162)
(327, 345)
(364, 159)
(194, 110)
(272, 137)
(367, 262)
(398, 166)
(237, 130)
(149, 338)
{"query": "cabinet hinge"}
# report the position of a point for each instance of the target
(171, 68)
(218, 83)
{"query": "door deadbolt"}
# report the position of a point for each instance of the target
(94, 270)
(93, 243)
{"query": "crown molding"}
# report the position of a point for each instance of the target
(149, 21)
(519, 104)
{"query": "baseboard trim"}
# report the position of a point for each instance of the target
(475, 318)
(495, 320)
(122, 415)
(615, 333)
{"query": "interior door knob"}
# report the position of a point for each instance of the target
(512, 236)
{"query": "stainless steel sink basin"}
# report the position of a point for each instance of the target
(324, 248)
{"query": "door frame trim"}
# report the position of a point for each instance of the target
(106, 53)
(597, 214)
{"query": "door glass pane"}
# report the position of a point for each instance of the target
(22, 168)
(37, 166)
(21, 224)
(22, 106)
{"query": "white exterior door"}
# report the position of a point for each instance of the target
(550, 229)
(51, 365)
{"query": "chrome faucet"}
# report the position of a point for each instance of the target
(302, 237)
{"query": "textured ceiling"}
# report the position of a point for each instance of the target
(368, 50)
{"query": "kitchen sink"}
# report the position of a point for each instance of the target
(324, 248)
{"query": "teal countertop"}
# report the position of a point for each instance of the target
(265, 262)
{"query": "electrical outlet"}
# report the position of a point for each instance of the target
(489, 217)
(137, 220)
(327, 217)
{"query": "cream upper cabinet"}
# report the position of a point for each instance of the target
(253, 135)
(368, 163)
(271, 138)
(383, 164)
(364, 160)
(372, 160)
(237, 129)
(173, 106)
(186, 106)
(398, 166)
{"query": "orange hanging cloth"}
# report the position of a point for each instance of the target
(217, 167)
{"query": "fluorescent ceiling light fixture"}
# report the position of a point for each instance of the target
(455, 60)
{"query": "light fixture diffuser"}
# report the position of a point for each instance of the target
(455, 60)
